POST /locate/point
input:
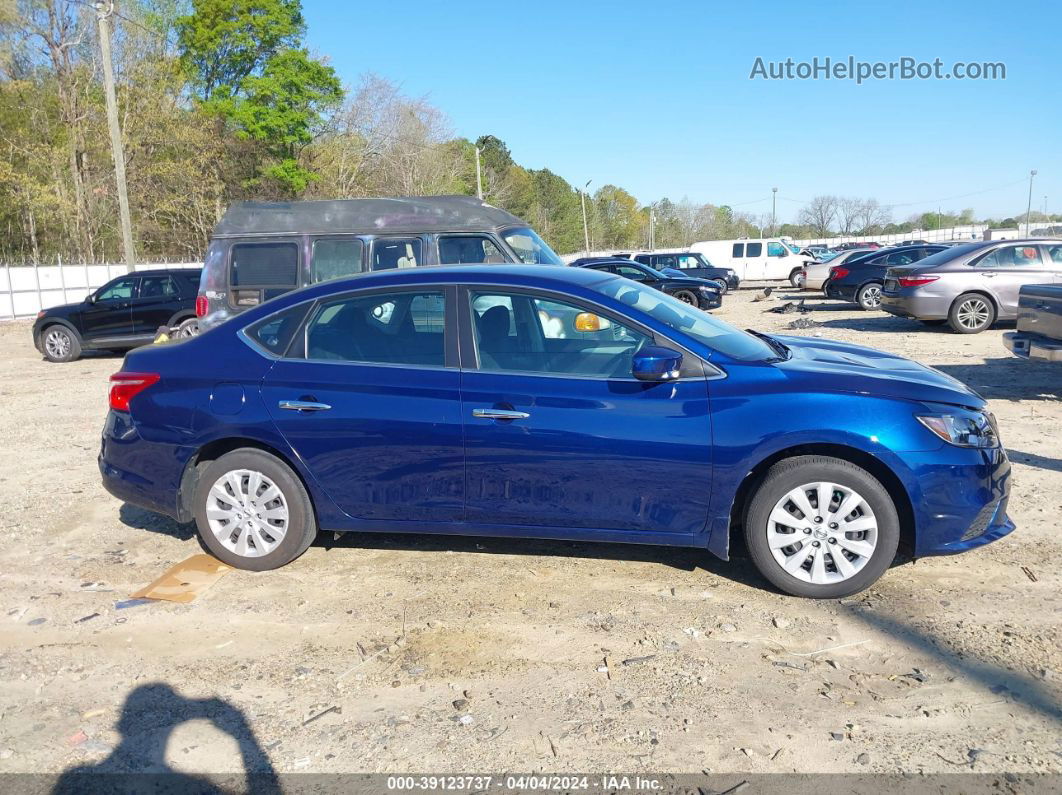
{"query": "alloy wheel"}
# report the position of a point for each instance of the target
(822, 533)
(57, 343)
(871, 297)
(973, 313)
(247, 513)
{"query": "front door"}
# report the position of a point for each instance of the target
(558, 434)
(109, 315)
(370, 401)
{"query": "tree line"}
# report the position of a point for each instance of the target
(222, 101)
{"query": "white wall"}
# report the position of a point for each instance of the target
(27, 289)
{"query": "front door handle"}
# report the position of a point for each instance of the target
(499, 414)
(303, 405)
(988, 275)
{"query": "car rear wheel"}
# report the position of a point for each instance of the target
(188, 328)
(821, 527)
(869, 296)
(971, 313)
(687, 297)
(60, 344)
(252, 511)
(796, 278)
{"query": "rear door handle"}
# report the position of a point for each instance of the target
(303, 405)
(499, 414)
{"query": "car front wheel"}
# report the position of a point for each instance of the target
(60, 344)
(869, 296)
(687, 297)
(821, 527)
(971, 313)
(252, 511)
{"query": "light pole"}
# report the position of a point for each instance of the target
(774, 218)
(586, 229)
(479, 178)
(1028, 210)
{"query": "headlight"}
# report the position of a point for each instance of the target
(709, 290)
(963, 430)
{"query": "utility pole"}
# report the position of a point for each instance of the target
(652, 230)
(479, 177)
(103, 12)
(586, 229)
(1028, 210)
(774, 202)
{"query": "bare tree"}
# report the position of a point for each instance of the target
(819, 214)
(872, 215)
(848, 211)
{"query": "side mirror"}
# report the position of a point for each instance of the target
(654, 363)
(90, 298)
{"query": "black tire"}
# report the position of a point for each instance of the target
(790, 474)
(934, 322)
(687, 297)
(60, 344)
(971, 313)
(302, 524)
(722, 285)
(869, 296)
(795, 279)
(187, 328)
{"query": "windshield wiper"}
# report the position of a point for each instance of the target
(778, 347)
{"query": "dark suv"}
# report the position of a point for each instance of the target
(123, 313)
(689, 264)
(700, 293)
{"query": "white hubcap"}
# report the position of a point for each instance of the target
(822, 533)
(247, 513)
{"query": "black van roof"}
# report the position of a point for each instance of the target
(364, 216)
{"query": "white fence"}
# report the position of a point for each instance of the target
(27, 289)
(967, 233)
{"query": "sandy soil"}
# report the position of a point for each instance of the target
(488, 655)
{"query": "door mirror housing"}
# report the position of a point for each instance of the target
(656, 364)
(90, 298)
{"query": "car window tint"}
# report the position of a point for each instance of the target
(394, 253)
(334, 259)
(275, 332)
(1054, 254)
(382, 328)
(1011, 257)
(458, 249)
(670, 262)
(630, 272)
(119, 290)
(265, 265)
(775, 249)
(754, 249)
(523, 333)
(688, 261)
(157, 287)
(739, 250)
(900, 258)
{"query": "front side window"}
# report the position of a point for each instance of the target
(460, 249)
(530, 248)
(1011, 257)
(754, 250)
(531, 334)
(334, 259)
(393, 253)
(157, 287)
(265, 265)
(120, 290)
(688, 261)
(381, 328)
(775, 250)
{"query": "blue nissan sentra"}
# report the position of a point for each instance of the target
(549, 402)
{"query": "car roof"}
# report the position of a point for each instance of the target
(161, 271)
(376, 216)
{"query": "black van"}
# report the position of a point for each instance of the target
(260, 250)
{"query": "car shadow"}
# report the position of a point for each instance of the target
(150, 714)
(1034, 460)
(875, 321)
(1009, 378)
(143, 519)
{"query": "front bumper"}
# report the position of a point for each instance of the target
(710, 300)
(960, 499)
(1033, 346)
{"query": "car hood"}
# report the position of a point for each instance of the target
(688, 282)
(855, 368)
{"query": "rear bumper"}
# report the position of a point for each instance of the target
(1033, 346)
(913, 305)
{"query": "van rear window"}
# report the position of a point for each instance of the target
(265, 265)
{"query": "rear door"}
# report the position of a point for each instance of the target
(110, 314)
(738, 262)
(1004, 270)
(369, 399)
(154, 304)
(559, 437)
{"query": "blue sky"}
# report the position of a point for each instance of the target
(656, 96)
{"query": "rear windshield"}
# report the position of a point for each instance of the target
(265, 265)
(947, 255)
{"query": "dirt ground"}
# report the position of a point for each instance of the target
(459, 654)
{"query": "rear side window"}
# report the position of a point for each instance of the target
(334, 259)
(754, 250)
(739, 250)
(275, 332)
(265, 265)
(1011, 257)
(396, 253)
(157, 287)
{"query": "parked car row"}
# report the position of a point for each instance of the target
(700, 293)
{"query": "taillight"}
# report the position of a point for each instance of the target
(201, 306)
(126, 386)
(838, 272)
(916, 281)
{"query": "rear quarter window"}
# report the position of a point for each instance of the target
(264, 265)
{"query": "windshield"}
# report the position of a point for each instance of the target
(693, 322)
(530, 248)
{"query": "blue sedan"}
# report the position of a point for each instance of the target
(548, 402)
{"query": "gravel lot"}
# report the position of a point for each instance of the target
(492, 655)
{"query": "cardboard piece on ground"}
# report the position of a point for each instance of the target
(185, 581)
